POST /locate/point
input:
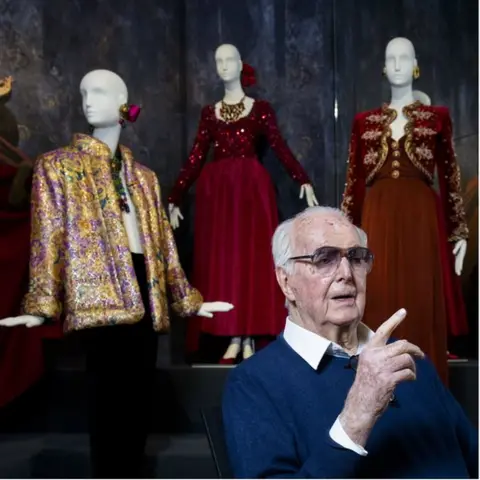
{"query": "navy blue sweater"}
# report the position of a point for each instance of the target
(278, 412)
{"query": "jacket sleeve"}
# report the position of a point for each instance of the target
(186, 299)
(45, 292)
(449, 182)
(192, 168)
(261, 444)
(354, 192)
(280, 147)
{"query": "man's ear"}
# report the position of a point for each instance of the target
(283, 280)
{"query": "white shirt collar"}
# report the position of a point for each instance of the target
(312, 347)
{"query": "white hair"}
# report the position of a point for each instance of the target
(282, 238)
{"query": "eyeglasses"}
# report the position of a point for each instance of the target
(353, 365)
(327, 259)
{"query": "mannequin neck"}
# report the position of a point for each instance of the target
(233, 92)
(108, 135)
(401, 96)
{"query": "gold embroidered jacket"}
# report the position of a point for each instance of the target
(80, 257)
(428, 144)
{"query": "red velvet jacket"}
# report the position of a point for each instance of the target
(428, 144)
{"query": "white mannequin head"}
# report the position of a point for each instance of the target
(103, 93)
(400, 62)
(229, 63)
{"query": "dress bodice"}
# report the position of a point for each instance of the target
(234, 140)
(397, 164)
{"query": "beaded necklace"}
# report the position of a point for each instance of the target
(117, 181)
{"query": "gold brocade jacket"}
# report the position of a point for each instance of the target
(428, 145)
(80, 258)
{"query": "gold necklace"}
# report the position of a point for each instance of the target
(231, 113)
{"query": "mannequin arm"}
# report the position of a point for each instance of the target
(307, 190)
(449, 182)
(209, 308)
(27, 320)
(280, 147)
(175, 215)
(354, 192)
(191, 170)
(459, 252)
(44, 297)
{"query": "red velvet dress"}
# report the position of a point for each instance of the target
(235, 217)
(21, 358)
(411, 230)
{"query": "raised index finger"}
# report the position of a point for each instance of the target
(381, 336)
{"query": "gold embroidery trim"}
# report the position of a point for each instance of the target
(410, 113)
(390, 115)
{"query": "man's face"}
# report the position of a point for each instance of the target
(338, 298)
(100, 100)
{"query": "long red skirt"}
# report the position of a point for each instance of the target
(413, 266)
(235, 218)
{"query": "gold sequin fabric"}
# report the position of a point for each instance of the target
(429, 146)
(80, 257)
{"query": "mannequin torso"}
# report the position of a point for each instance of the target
(397, 127)
(110, 135)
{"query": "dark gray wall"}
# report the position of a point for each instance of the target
(307, 53)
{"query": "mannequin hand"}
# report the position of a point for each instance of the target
(307, 190)
(459, 251)
(207, 309)
(175, 215)
(27, 320)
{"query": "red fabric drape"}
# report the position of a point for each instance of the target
(21, 356)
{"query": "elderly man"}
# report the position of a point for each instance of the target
(330, 398)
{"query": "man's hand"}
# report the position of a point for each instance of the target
(381, 368)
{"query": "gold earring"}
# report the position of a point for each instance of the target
(384, 71)
(416, 72)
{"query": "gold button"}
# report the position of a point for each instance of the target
(396, 153)
(395, 164)
(394, 145)
(395, 174)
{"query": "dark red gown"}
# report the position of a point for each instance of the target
(235, 218)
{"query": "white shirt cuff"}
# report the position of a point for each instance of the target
(338, 435)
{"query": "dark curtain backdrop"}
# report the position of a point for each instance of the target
(310, 56)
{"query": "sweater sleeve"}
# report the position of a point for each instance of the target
(261, 441)
(467, 434)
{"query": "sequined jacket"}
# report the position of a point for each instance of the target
(80, 257)
(428, 145)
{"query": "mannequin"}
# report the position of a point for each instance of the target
(97, 255)
(422, 97)
(236, 210)
(394, 151)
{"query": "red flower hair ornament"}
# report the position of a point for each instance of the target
(129, 113)
(247, 77)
